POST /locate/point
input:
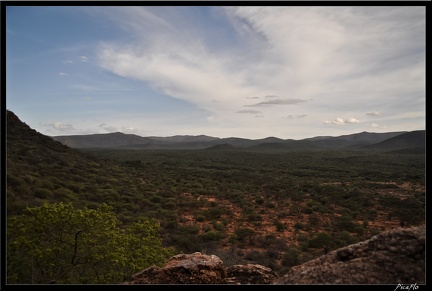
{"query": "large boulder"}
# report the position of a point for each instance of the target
(197, 268)
(193, 268)
(391, 257)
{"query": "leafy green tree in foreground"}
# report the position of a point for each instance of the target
(56, 243)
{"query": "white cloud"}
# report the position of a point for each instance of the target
(338, 121)
(378, 126)
(341, 121)
(351, 120)
(341, 57)
(63, 127)
(83, 59)
(128, 130)
(124, 129)
(62, 74)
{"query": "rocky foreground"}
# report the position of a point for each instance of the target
(391, 257)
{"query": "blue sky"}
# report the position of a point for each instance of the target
(249, 71)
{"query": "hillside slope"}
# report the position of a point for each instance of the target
(408, 140)
(41, 170)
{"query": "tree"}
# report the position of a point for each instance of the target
(243, 233)
(291, 257)
(56, 243)
(321, 240)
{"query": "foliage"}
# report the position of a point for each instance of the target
(291, 257)
(321, 240)
(211, 235)
(297, 193)
(56, 243)
(244, 233)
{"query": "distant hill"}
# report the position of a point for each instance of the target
(353, 140)
(413, 141)
(108, 140)
(408, 140)
(122, 140)
(363, 140)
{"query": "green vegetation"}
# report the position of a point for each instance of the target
(56, 243)
(275, 208)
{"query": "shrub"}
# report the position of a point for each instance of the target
(42, 193)
(79, 246)
(211, 235)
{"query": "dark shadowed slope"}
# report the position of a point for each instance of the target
(408, 140)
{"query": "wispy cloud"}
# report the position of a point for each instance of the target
(124, 129)
(249, 111)
(375, 113)
(295, 116)
(278, 102)
(318, 53)
(108, 128)
(61, 127)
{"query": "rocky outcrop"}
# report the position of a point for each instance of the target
(197, 268)
(184, 269)
(391, 257)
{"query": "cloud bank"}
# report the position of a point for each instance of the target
(352, 57)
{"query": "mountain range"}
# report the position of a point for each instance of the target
(389, 141)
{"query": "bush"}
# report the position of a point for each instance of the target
(291, 257)
(279, 225)
(155, 199)
(79, 246)
(43, 193)
(211, 235)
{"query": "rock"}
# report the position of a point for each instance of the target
(184, 269)
(250, 274)
(197, 268)
(391, 257)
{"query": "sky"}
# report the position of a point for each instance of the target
(290, 72)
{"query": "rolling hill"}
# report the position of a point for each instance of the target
(409, 140)
(363, 140)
